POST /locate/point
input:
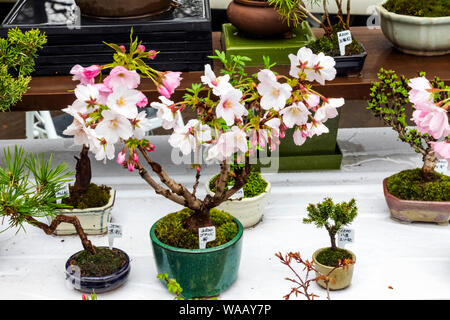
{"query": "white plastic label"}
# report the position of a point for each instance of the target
(344, 39)
(441, 166)
(238, 195)
(114, 231)
(345, 235)
(206, 235)
(63, 193)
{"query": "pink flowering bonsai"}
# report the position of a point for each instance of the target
(430, 101)
(237, 114)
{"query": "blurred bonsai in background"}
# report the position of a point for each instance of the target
(17, 54)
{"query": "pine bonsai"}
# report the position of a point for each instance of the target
(326, 212)
(17, 54)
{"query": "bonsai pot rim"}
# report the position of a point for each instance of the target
(120, 276)
(325, 266)
(111, 201)
(412, 19)
(230, 243)
(253, 3)
(259, 196)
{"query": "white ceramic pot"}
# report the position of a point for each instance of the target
(93, 220)
(416, 35)
(248, 211)
(342, 277)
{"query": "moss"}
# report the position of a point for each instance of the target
(330, 45)
(419, 8)
(410, 185)
(255, 184)
(95, 196)
(105, 262)
(170, 229)
(329, 257)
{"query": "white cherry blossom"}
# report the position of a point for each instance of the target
(274, 94)
(296, 114)
(230, 106)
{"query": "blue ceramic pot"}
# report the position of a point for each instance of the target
(99, 284)
(200, 272)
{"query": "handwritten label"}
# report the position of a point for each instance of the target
(345, 235)
(238, 195)
(344, 39)
(63, 193)
(441, 166)
(206, 235)
(114, 231)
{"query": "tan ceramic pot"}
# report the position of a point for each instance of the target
(256, 18)
(342, 277)
(421, 211)
(121, 8)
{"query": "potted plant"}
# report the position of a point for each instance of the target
(24, 200)
(265, 17)
(248, 204)
(326, 259)
(17, 54)
(417, 27)
(417, 194)
(114, 9)
(200, 246)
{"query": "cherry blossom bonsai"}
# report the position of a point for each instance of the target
(425, 190)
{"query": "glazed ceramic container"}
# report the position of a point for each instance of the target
(342, 277)
(122, 9)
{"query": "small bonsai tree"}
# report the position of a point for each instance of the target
(325, 213)
(237, 113)
(24, 199)
(17, 54)
(392, 95)
(419, 8)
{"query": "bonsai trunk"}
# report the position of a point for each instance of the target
(332, 234)
(429, 163)
(199, 219)
(83, 172)
(49, 229)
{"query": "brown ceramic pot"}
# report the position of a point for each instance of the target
(122, 8)
(256, 18)
(422, 211)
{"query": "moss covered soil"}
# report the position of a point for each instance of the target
(104, 263)
(254, 186)
(410, 185)
(170, 229)
(330, 257)
(419, 8)
(330, 45)
(96, 196)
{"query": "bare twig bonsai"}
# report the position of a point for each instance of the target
(326, 212)
(23, 199)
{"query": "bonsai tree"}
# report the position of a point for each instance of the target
(331, 216)
(237, 113)
(430, 100)
(419, 8)
(24, 199)
(17, 54)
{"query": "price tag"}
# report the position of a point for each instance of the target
(238, 195)
(441, 166)
(63, 193)
(114, 231)
(344, 39)
(206, 235)
(345, 235)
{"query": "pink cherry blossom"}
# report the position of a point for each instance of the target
(220, 85)
(295, 114)
(85, 75)
(421, 91)
(230, 106)
(122, 77)
(83, 135)
(104, 92)
(170, 81)
(274, 94)
(328, 109)
(143, 102)
(431, 119)
(121, 157)
(124, 101)
(312, 100)
(300, 135)
(113, 127)
(322, 69)
(442, 149)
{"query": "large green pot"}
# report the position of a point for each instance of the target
(200, 272)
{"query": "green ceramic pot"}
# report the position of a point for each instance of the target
(200, 272)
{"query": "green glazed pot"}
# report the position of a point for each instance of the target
(200, 272)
